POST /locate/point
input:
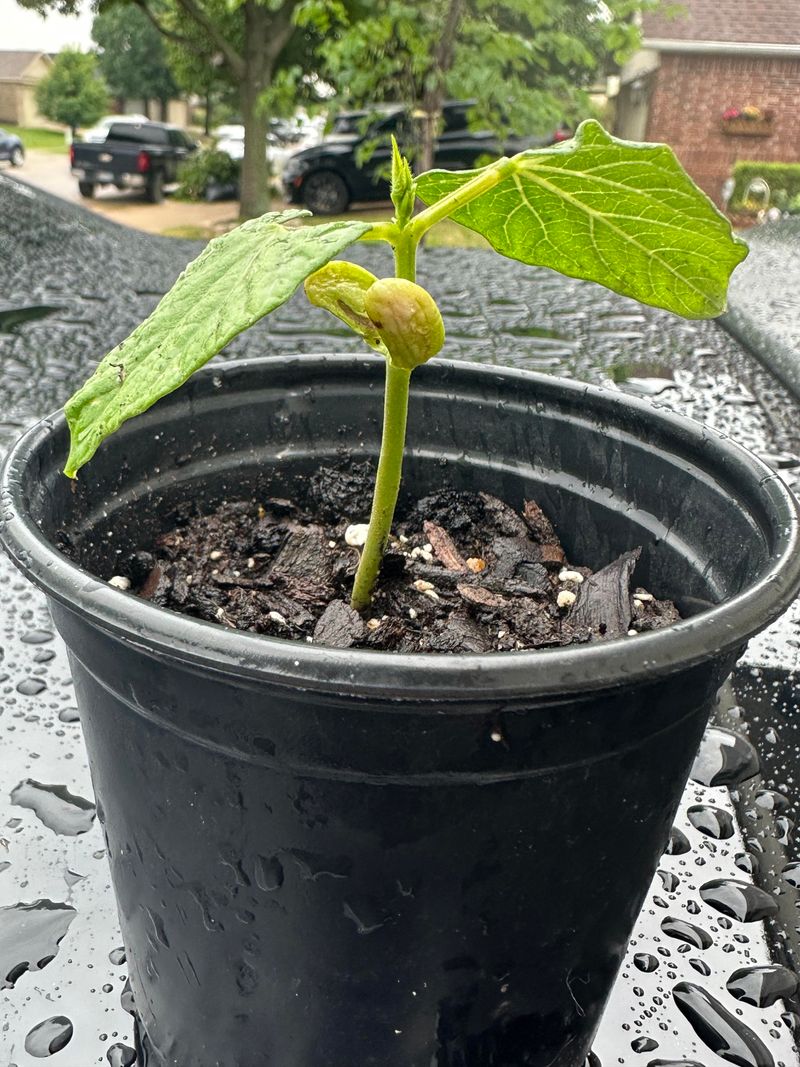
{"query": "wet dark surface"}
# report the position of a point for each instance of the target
(702, 982)
(765, 298)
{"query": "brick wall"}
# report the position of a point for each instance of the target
(690, 93)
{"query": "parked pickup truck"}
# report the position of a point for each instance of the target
(134, 155)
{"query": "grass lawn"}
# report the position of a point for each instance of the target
(45, 140)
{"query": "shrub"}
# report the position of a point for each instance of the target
(783, 180)
(206, 168)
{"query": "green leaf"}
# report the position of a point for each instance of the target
(340, 288)
(623, 214)
(233, 283)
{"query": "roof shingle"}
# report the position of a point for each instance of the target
(735, 21)
(14, 64)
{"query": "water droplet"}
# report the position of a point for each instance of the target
(740, 900)
(791, 872)
(644, 1044)
(55, 806)
(669, 881)
(31, 687)
(701, 966)
(37, 637)
(69, 715)
(49, 1036)
(313, 866)
(126, 998)
(724, 758)
(367, 919)
(645, 962)
(715, 822)
(121, 1056)
(687, 932)
(762, 986)
(745, 862)
(29, 937)
(721, 1031)
(678, 843)
(269, 873)
(117, 956)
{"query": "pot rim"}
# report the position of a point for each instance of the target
(394, 676)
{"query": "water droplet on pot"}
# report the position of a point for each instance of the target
(29, 937)
(55, 806)
(745, 862)
(126, 998)
(48, 1036)
(717, 1028)
(724, 758)
(687, 932)
(269, 873)
(313, 866)
(740, 900)
(715, 822)
(762, 986)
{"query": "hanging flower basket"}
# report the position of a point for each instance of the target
(749, 121)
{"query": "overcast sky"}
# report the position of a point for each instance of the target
(25, 31)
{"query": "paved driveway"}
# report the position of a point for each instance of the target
(50, 171)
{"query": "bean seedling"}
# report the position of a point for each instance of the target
(619, 213)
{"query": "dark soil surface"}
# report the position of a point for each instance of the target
(462, 573)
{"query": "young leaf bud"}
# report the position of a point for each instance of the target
(406, 319)
(404, 188)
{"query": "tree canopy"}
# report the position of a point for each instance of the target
(72, 92)
(131, 54)
(525, 63)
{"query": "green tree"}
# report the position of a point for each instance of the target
(73, 91)
(526, 63)
(196, 62)
(253, 40)
(131, 55)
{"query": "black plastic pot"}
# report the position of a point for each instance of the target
(325, 858)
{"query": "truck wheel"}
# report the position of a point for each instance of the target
(155, 188)
(17, 157)
(325, 193)
(86, 189)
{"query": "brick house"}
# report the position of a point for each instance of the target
(711, 56)
(20, 72)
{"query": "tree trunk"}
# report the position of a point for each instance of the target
(207, 120)
(432, 106)
(434, 93)
(164, 110)
(254, 181)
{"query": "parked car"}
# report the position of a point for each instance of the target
(99, 131)
(11, 148)
(284, 138)
(340, 169)
(143, 155)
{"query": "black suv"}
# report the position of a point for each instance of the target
(327, 177)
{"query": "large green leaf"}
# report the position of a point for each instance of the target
(623, 214)
(233, 283)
